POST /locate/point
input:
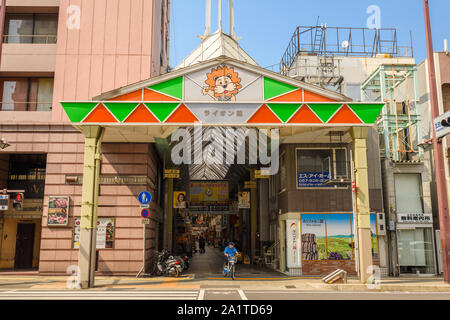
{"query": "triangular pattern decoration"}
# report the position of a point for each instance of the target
(345, 115)
(314, 97)
(150, 95)
(121, 110)
(162, 110)
(367, 112)
(274, 88)
(141, 115)
(284, 110)
(173, 87)
(294, 96)
(304, 115)
(100, 115)
(132, 96)
(264, 115)
(77, 111)
(324, 110)
(182, 115)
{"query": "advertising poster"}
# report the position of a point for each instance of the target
(293, 243)
(373, 234)
(179, 199)
(204, 191)
(313, 237)
(200, 220)
(105, 233)
(339, 236)
(58, 211)
(244, 200)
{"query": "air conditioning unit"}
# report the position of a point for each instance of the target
(381, 224)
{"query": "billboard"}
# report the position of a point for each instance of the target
(293, 243)
(206, 191)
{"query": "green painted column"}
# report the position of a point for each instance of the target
(359, 135)
(89, 204)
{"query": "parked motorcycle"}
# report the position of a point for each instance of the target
(166, 264)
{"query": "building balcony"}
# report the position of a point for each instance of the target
(29, 57)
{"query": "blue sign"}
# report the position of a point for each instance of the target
(145, 197)
(145, 213)
(312, 179)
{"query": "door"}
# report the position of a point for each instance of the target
(24, 246)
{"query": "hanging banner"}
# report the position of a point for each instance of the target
(293, 243)
(58, 211)
(204, 191)
(179, 199)
(244, 200)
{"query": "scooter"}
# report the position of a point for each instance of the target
(167, 264)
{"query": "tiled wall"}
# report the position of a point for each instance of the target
(327, 266)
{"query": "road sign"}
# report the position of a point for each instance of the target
(145, 221)
(4, 202)
(145, 197)
(442, 125)
(145, 213)
(144, 206)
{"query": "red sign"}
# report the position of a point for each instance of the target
(145, 213)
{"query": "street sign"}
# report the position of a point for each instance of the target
(171, 174)
(145, 213)
(145, 197)
(145, 221)
(4, 202)
(442, 125)
(144, 206)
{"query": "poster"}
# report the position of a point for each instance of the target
(313, 237)
(373, 235)
(179, 199)
(204, 191)
(339, 236)
(293, 243)
(312, 179)
(244, 200)
(200, 220)
(105, 233)
(58, 211)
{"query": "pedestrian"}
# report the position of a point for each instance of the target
(201, 243)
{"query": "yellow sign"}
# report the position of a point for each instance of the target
(249, 184)
(204, 191)
(261, 174)
(172, 174)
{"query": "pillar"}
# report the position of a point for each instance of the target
(169, 214)
(359, 135)
(253, 219)
(89, 204)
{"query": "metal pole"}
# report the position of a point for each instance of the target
(231, 17)
(441, 186)
(208, 19)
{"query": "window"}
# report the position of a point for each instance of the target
(415, 250)
(408, 193)
(31, 28)
(315, 167)
(26, 94)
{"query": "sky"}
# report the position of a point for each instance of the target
(266, 26)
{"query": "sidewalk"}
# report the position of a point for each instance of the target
(190, 282)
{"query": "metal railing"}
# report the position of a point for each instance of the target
(30, 39)
(25, 106)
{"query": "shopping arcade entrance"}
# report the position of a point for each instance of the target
(221, 92)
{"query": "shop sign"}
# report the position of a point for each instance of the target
(172, 174)
(293, 243)
(249, 184)
(204, 191)
(262, 174)
(58, 211)
(312, 179)
(442, 125)
(414, 218)
(105, 233)
(4, 202)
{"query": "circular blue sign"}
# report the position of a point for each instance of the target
(145, 213)
(145, 197)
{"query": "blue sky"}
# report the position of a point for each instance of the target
(266, 26)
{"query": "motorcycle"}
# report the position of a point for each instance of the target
(168, 264)
(186, 261)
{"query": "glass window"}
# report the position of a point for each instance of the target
(26, 94)
(415, 250)
(45, 94)
(45, 28)
(15, 95)
(31, 28)
(408, 193)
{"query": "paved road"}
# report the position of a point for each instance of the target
(215, 294)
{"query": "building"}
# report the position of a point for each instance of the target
(48, 56)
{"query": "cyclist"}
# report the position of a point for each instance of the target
(230, 251)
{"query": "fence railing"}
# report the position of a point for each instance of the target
(35, 39)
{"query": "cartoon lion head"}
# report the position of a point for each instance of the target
(223, 81)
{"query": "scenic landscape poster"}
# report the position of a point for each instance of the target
(339, 236)
(313, 237)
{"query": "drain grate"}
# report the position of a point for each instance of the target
(290, 287)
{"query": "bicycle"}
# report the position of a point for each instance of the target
(229, 267)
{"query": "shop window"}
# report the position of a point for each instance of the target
(27, 172)
(26, 94)
(331, 237)
(317, 167)
(415, 251)
(408, 193)
(31, 28)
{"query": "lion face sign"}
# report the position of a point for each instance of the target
(223, 84)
